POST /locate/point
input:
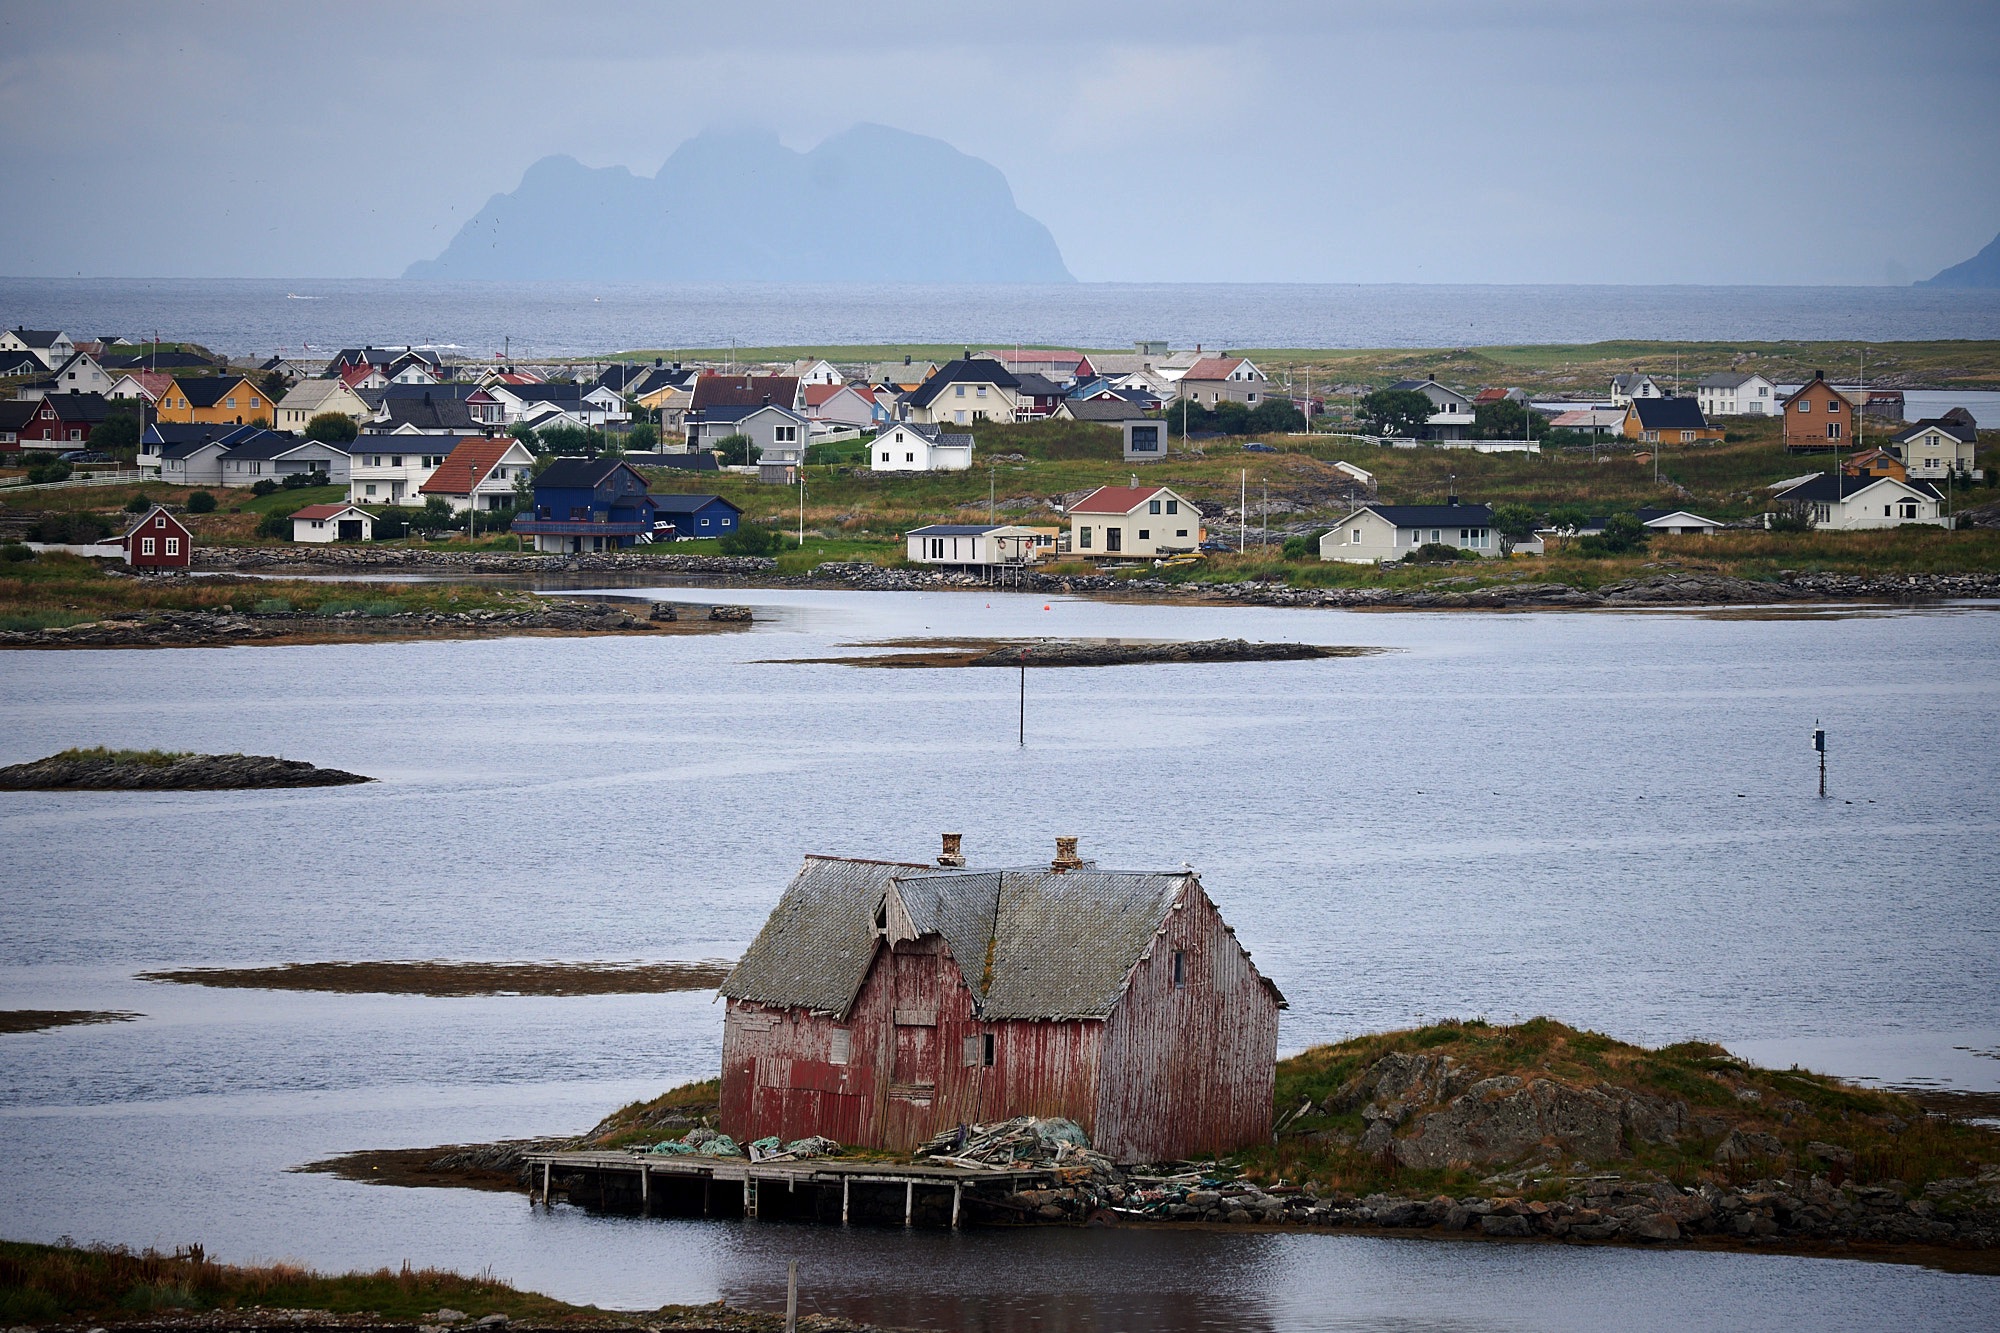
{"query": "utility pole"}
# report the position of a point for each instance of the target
(1242, 508)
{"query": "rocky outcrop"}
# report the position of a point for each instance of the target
(1100, 653)
(193, 629)
(189, 772)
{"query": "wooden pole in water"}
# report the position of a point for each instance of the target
(645, 1191)
(844, 1182)
(792, 1298)
(909, 1201)
(1024, 699)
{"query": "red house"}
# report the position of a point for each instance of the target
(65, 420)
(159, 541)
(884, 1003)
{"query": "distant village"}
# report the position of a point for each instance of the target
(556, 454)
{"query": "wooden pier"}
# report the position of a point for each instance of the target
(820, 1189)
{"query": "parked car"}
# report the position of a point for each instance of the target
(84, 456)
(1214, 545)
(1254, 448)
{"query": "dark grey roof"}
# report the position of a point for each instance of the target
(1723, 381)
(1832, 486)
(1629, 380)
(701, 461)
(977, 370)
(17, 412)
(11, 362)
(1416, 385)
(1958, 430)
(587, 473)
(682, 503)
(1435, 516)
(275, 444)
(1031, 943)
(38, 337)
(429, 413)
(155, 361)
(931, 431)
(953, 530)
(1035, 384)
(447, 389)
(91, 407)
(543, 393)
(1669, 414)
(1652, 515)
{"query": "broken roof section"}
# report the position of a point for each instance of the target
(1033, 943)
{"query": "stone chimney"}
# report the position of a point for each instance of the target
(952, 855)
(1066, 857)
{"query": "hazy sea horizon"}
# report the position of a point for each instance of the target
(248, 316)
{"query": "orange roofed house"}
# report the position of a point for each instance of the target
(481, 474)
(884, 1003)
(1818, 416)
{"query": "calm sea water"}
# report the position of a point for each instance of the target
(573, 319)
(1609, 818)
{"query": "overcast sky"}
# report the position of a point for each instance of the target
(1692, 141)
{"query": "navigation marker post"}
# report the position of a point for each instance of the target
(1819, 745)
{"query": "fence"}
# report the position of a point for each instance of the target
(121, 478)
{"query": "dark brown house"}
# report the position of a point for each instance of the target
(884, 1003)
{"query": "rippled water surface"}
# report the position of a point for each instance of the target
(1610, 818)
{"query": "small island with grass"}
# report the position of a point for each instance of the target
(99, 769)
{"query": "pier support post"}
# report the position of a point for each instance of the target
(844, 1182)
(909, 1201)
(645, 1191)
(545, 1187)
(955, 1188)
(707, 1184)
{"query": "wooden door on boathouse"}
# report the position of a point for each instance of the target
(913, 1076)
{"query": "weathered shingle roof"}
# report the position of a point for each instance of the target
(1031, 943)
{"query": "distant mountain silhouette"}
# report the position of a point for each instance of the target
(870, 205)
(1982, 270)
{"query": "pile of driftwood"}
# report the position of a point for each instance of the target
(1023, 1141)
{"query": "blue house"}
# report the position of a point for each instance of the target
(588, 504)
(697, 515)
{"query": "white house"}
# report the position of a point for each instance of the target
(1736, 396)
(1115, 522)
(390, 469)
(81, 374)
(333, 523)
(1451, 411)
(965, 392)
(1220, 379)
(816, 372)
(1851, 504)
(1936, 448)
(596, 406)
(51, 347)
(974, 544)
(1377, 532)
(1624, 388)
(310, 398)
(910, 446)
(481, 474)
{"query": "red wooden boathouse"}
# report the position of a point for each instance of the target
(159, 541)
(886, 1002)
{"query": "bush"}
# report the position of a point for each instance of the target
(78, 529)
(14, 553)
(265, 487)
(332, 428)
(1794, 518)
(642, 438)
(276, 525)
(1436, 553)
(201, 502)
(436, 515)
(1297, 548)
(138, 504)
(750, 539)
(298, 481)
(736, 451)
(393, 522)
(52, 470)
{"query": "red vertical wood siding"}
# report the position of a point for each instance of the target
(1172, 1072)
(1189, 1069)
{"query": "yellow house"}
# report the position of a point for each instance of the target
(215, 400)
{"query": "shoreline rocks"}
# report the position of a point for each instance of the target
(474, 562)
(189, 629)
(192, 772)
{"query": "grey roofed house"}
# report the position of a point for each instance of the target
(965, 370)
(687, 502)
(1057, 945)
(270, 444)
(21, 363)
(934, 434)
(1435, 516)
(1957, 429)
(449, 389)
(1669, 414)
(429, 414)
(954, 529)
(1725, 381)
(1834, 486)
(16, 413)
